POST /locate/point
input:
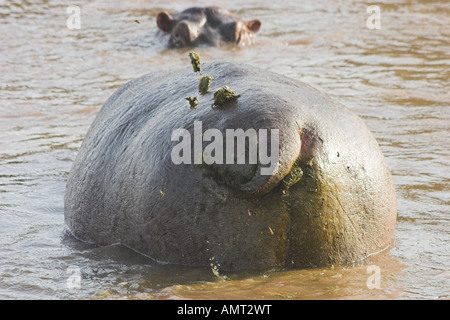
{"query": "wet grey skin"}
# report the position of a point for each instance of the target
(206, 26)
(331, 199)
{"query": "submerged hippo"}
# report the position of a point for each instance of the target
(210, 25)
(328, 199)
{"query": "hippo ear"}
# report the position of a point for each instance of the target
(254, 25)
(165, 21)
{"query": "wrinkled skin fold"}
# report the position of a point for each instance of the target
(330, 200)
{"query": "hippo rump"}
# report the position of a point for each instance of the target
(209, 25)
(329, 199)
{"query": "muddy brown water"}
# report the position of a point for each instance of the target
(53, 82)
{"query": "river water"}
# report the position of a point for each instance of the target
(54, 80)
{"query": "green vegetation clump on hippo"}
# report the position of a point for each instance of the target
(292, 177)
(195, 61)
(193, 102)
(203, 85)
(304, 173)
(223, 96)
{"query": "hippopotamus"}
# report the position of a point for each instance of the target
(327, 199)
(206, 26)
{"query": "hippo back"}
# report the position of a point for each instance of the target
(124, 186)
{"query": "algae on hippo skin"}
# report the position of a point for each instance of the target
(204, 84)
(221, 97)
(294, 176)
(224, 95)
(193, 102)
(195, 61)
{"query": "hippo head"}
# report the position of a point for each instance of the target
(210, 25)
